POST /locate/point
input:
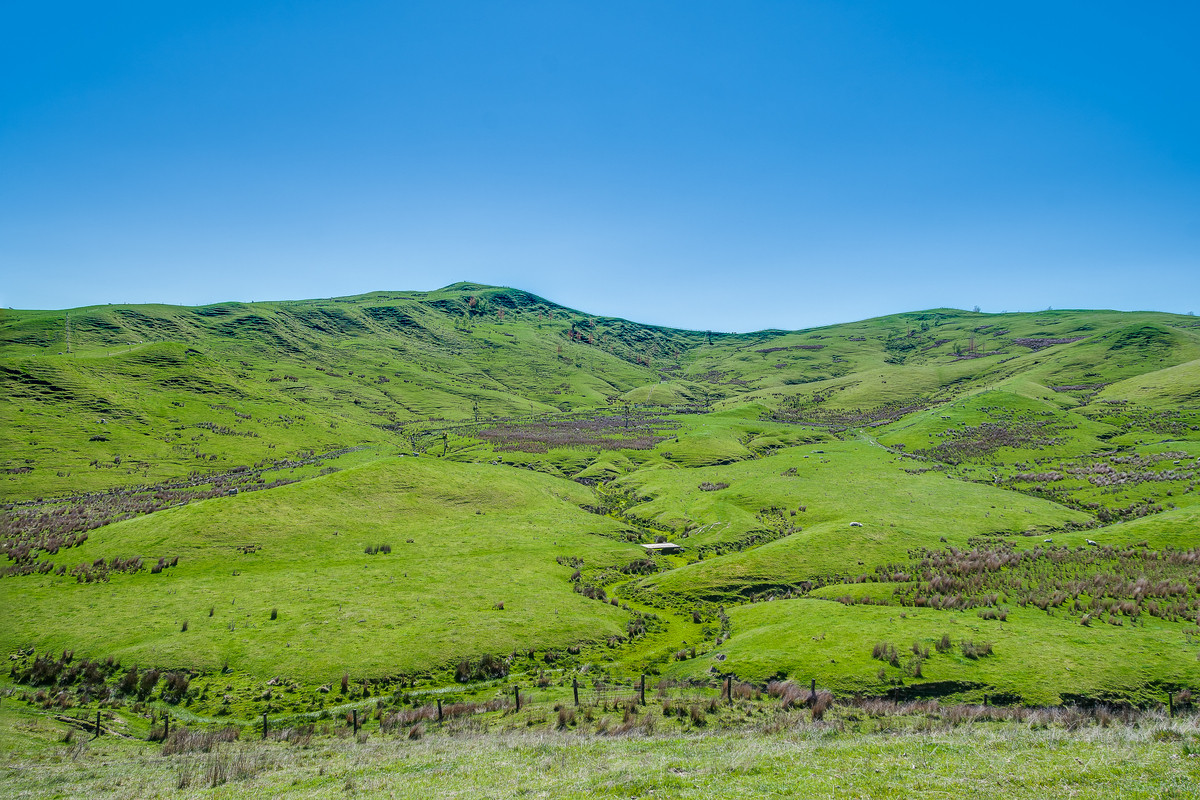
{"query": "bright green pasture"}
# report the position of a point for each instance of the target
(1037, 656)
(837, 484)
(481, 535)
(1171, 385)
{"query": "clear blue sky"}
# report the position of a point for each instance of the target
(724, 165)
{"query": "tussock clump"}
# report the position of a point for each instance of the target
(789, 693)
(183, 740)
(405, 718)
(886, 651)
(488, 667)
(972, 650)
(745, 691)
(298, 735)
(242, 765)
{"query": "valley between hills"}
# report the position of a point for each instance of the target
(366, 504)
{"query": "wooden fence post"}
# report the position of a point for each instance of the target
(264, 725)
(812, 689)
(575, 689)
(642, 689)
(517, 696)
(439, 704)
(729, 690)
(97, 723)
(354, 714)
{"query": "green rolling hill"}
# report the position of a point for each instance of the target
(451, 488)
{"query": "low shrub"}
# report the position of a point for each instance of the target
(147, 683)
(129, 682)
(176, 687)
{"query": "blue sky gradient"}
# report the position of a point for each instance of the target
(719, 165)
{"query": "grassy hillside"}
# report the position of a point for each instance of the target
(463, 539)
(833, 644)
(880, 482)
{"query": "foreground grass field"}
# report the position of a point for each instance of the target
(781, 754)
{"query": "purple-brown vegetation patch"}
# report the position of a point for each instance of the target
(1097, 582)
(1041, 343)
(604, 432)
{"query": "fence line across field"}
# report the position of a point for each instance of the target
(637, 692)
